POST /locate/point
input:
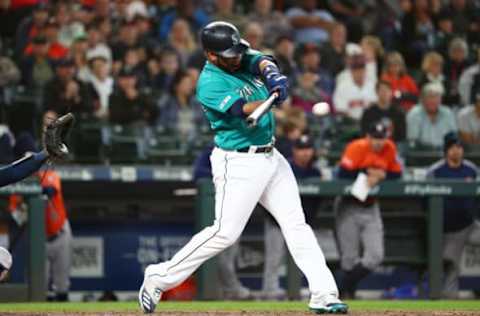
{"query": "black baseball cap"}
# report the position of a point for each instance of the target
(451, 139)
(305, 141)
(378, 130)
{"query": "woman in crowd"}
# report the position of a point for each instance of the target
(179, 111)
(404, 88)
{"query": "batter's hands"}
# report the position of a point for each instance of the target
(276, 82)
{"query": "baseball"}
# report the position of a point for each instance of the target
(321, 109)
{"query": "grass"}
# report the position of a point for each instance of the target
(240, 306)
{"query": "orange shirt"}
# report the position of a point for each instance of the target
(403, 84)
(55, 211)
(359, 155)
(55, 51)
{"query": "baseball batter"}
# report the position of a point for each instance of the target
(246, 170)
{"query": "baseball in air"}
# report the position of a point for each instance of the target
(5, 263)
(321, 109)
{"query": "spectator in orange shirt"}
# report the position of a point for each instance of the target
(358, 223)
(405, 90)
(55, 49)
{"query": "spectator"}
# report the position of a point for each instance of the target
(97, 42)
(458, 212)
(254, 35)
(429, 121)
(273, 23)
(69, 30)
(418, 30)
(387, 112)
(351, 13)
(162, 70)
(64, 93)
(292, 123)
(127, 38)
(404, 88)
(444, 33)
(78, 52)
(352, 50)
(462, 13)
(55, 49)
(359, 223)
(9, 72)
(186, 9)
(30, 27)
(469, 123)
(101, 85)
(432, 71)
(182, 40)
(310, 24)
(469, 82)
(310, 61)
(373, 50)
(145, 36)
(127, 104)
(179, 110)
(306, 92)
(37, 69)
(225, 11)
(355, 92)
(456, 63)
(333, 51)
(133, 62)
(284, 55)
(303, 168)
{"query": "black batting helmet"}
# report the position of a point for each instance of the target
(223, 39)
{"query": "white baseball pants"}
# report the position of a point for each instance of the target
(241, 181)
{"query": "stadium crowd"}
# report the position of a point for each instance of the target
(413, 64)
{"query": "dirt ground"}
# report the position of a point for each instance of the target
(247, 313)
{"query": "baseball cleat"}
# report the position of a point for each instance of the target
(149, 295)
(327, 304)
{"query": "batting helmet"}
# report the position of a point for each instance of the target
(223, 39)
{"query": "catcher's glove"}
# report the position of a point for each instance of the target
(55, 135)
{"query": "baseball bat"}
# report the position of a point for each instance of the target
(263, 108)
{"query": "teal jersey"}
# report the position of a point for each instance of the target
(218, 90)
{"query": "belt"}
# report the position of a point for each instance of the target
(55, 236)
(255, 149)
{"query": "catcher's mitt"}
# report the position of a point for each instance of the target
(55, 135)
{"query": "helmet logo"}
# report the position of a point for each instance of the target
(235, 39)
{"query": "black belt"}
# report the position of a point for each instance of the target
(54, 237)
(258, 150)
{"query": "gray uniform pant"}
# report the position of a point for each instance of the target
(59, 257)
(359, 227)
(453, 245)
(275, 251)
